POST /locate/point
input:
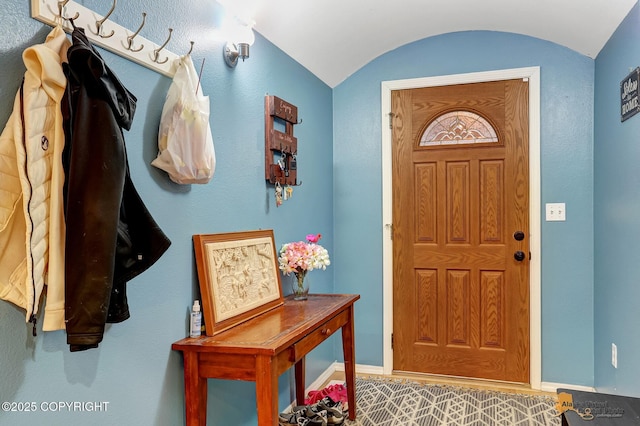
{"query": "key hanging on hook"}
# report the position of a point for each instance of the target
(99, 23)
(278, 194)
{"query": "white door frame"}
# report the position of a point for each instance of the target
(533, 75)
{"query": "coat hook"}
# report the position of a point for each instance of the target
(190, 49)
(61, 5)
(99, 23)
(156, 52)
(129, 45)
(59, 18)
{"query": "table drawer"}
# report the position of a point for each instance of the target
(317, 336)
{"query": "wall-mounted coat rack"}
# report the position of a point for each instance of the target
(107, 34)
(282, 146)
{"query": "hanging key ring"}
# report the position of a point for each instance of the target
(282, 161)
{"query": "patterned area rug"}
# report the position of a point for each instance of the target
(384, 402)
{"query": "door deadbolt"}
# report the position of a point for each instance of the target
(518, 235)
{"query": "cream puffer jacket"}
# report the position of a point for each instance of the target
(32, 227)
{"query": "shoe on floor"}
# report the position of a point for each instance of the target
(303, 417)
(335, 415)
(334, 411)
(311, 411)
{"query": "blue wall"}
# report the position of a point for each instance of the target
(617, 228)
(135, 370)
(566, 176)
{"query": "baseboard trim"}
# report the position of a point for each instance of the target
(360, 368)
(553, 387)
(339, 366)
(322, 379)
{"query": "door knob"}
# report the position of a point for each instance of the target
(518, 235)
(519, 255)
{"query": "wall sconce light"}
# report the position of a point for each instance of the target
(238, 45)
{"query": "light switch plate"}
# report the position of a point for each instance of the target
(555, 212)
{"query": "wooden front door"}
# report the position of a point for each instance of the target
(461, 230)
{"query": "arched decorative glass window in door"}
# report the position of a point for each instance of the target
(457, 128)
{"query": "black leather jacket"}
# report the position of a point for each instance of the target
(110, 237)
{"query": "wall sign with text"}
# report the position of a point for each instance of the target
(629, 100)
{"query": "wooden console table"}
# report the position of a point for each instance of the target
(264, 347)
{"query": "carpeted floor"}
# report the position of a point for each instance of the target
(384, 402)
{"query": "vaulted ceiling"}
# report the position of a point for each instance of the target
(334, 38)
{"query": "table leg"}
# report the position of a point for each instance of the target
(348, 350)
(300, 385)
(195, 391)
(266, 391)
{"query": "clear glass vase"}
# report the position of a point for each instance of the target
(300, 286)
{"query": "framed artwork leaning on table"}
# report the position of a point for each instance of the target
(238, 277)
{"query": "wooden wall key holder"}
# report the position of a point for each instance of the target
(280, 148)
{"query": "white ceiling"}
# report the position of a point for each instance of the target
(335, 38)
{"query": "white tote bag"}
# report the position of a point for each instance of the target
(185, 143)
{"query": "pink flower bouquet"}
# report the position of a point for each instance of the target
(301, 257)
